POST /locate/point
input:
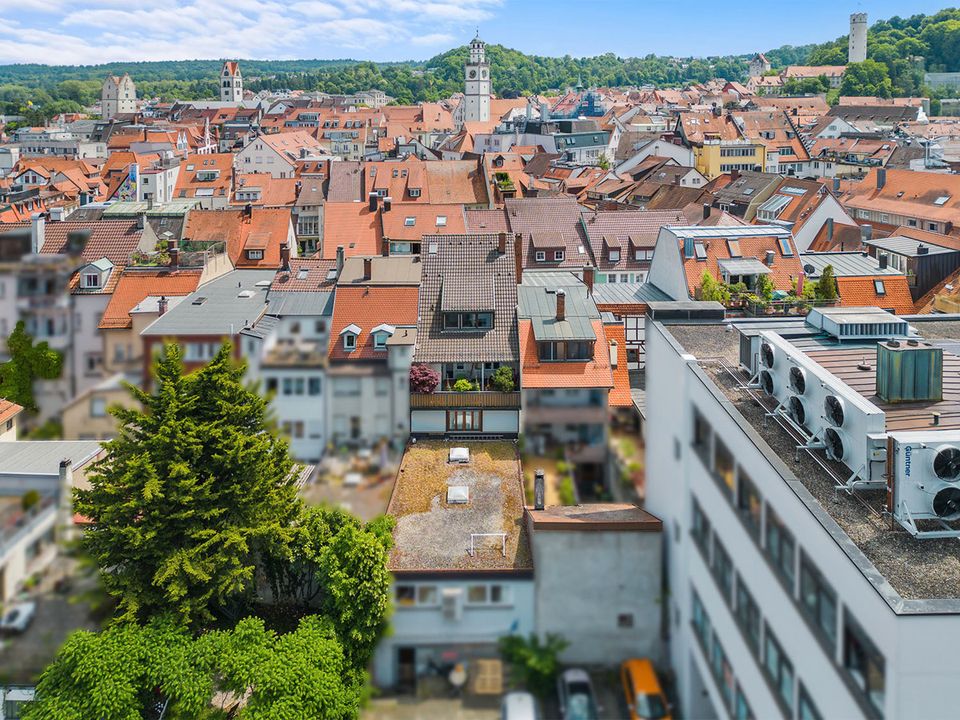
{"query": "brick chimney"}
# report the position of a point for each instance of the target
(339, 259)
(881, 178)
(387, 204)
(561, 304)
(373, 200)
(385, 247)
(502, 243)
(706, 210)
(285, 256)
(174, 252)
(162, 305)
(588, 279)
(367, 268)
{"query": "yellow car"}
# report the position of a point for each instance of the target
(645, 698)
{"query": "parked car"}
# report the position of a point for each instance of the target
(645, 698)
(18, 618)
(519, 706)
(576, 695)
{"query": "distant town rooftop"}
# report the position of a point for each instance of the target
(913, 576)
(434, 534)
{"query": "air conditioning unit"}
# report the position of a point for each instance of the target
(924, 483)
(831, 414)
(451, 602)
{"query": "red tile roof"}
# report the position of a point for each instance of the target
(784, 270)
(306, 274)
(861, 291)
(594, 373)
(8, 410)
(265, 230)
(620, 394)
(135, 286)
(352, 226)
(111, 239)
(366, 307)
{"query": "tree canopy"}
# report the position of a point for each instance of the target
(28, 362)
(128, 670)
(193, 487)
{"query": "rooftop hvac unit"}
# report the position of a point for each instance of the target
(829, 413)
(451, 603)
(924, 485)
(459, 455)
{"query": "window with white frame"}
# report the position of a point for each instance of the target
(540, 256)
(558, 255)
(91, 280)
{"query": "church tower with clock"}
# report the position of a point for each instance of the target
(476, 95)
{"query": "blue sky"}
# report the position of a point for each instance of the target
(95, 31)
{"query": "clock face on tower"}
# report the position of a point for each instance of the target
(473, 73)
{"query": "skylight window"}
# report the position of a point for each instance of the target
(942, 200)
(409, 221)
(748, 191)
(878, 286)
(734, 247)
(785, 248)
(441, 220)
(699, 251)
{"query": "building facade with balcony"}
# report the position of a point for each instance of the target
(467, 333)
(566, 369)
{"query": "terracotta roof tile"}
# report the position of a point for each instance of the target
(594, 373)
(366, 307)
(861, 292)
(620, 394)
(134, 286)
(265, 230)
(352, 226)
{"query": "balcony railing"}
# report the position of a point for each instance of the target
(474, 400)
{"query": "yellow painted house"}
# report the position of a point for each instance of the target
(715, 157)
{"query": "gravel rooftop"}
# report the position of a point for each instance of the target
(432, 535)
(916, 569)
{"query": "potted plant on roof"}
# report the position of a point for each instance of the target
(464, 385)
(423, 378)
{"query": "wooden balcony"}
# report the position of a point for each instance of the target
(472, 400)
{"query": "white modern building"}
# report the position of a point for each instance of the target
(793, 590)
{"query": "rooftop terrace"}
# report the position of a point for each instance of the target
(911, 569)
(433, 534)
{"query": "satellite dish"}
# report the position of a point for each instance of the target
(946, 464)
(946, 504)
(798, 380)
(809, 269)
(766, 354)
(833, 409)
(834, 444)
(766, 382)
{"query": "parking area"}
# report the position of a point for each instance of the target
(23, 657)
(609, 698)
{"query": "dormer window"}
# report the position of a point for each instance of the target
(254, 254)
(414, 192)
(381, 334)
(349, 335)
(91, 280)
(558, 255)
(614, 254)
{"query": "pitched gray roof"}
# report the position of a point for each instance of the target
(457, 264)
(845, 264)
(539, 304)
(223, 306)
(628, 294)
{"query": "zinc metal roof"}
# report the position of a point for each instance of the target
(743, 266)
(223, 306)
(906, 246)
(845, 264)
(728, 231)
(42, 457)
(300, 303)
(539, 304)
(628, 294)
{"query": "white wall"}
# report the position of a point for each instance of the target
(666, 269)
(919, 669)
(828, 208)
(426, 626)
(428, 421)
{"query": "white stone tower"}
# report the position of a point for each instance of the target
(118, 95)
(476, 94)
(231, 82)
(857, 49)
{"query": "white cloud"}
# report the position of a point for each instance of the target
(96, 31)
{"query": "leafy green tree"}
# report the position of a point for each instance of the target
(712, 289)
(336, 564)
(764, 288)
(827, 285)
(118, 673)
(867, 78)
(194, 487)
(130, 671)
(27, 363)
(533, 664)
(502, 379)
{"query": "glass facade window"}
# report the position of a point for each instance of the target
(778, 668)
(749, 502)
(863, 662)
(780, 548)
(723, 466)
(818, 599)
(748, 615)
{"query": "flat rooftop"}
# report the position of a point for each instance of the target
(918, 570)
(433, 535)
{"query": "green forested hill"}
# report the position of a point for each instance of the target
(898, 48)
